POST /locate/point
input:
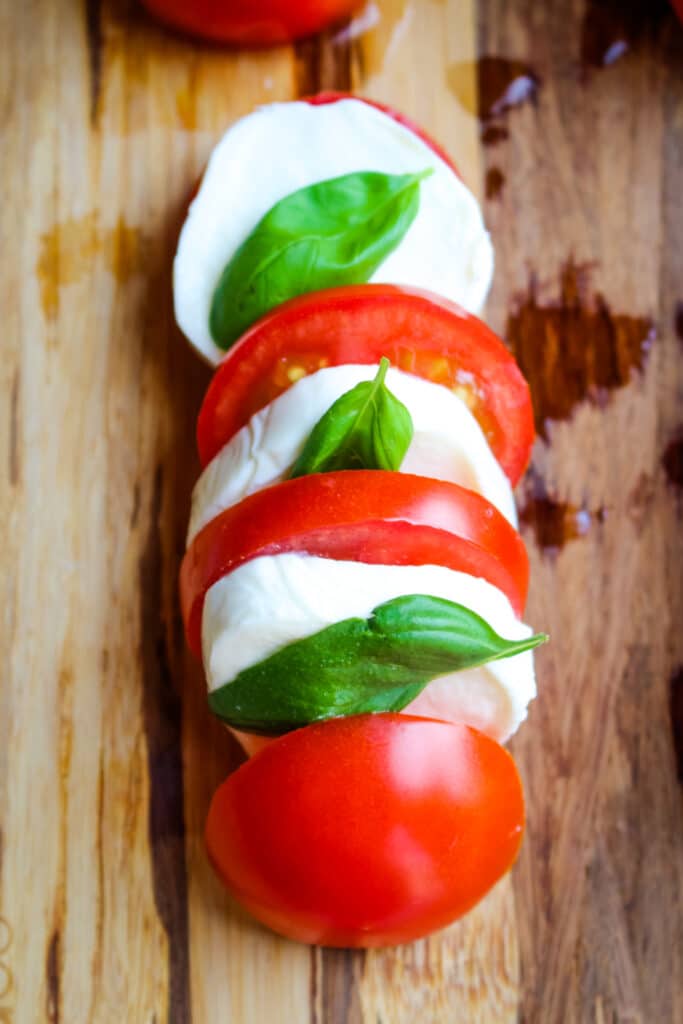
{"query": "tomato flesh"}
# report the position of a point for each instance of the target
(360, 515)
(367, 831)
(418, 332)
(251, 22)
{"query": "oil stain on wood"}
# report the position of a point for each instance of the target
(678, 321)
(69, 250)
(492, 134)
(493, 185)
(574, 348)
(672, 460)
(611, 28)
(553, 522)
(676, 714)
(502, 84)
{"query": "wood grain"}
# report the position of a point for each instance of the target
(593, 177)
(109, 911)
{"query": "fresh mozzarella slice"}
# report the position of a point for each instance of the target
(287, 146)
(273, 600)
(447, 444)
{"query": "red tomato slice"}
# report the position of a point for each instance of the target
(251, 22)
(360, 515)
(419, 332)
(367, 831)
(321, 98)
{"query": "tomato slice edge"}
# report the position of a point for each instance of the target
(371, 516)
(360, 323)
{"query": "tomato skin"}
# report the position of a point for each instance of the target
(250, 22)
(320, 99)
(367, 831)
(361, 515)
(419, 332)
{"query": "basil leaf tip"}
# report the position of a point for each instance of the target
(334, 232)
(359, 665)
(366, 428)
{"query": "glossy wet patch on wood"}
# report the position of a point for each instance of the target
(553, 522)
(572, 347)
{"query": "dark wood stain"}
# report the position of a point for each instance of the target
(553, 522)
(14, 462)
(162, 715)
(676, 715)
(135, 510)
(672, 459)
(678, 321)
(633, 863)
(610, 28)
(492, 134)
(53, 972)
(339, 997)
(313, 987)
(501, 85)
(96, 962)
(640, 500)
(93, 23)
(322, 64)
(574, 348)
(495, 179)
(598, 907)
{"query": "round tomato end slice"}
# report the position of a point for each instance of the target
(367, 831)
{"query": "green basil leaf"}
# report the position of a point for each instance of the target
(332, 233)
(367, 428)
(358, 665)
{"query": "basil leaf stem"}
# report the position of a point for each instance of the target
(366, 428)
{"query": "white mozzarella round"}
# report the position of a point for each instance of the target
(287, 146)
(274, 600)
(448, 443)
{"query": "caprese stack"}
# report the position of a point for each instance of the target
(354, 580)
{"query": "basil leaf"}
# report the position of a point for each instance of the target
(334, 232)
(367, 428)
(358, 666)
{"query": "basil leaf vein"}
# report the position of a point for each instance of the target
(366, 428)
(358, 666)
(331, 233)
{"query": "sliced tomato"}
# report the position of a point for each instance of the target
(250, 22)
(358, 515)
(417, 331)
(367, 831)
(322, 98)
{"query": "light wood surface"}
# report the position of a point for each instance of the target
(108, 757)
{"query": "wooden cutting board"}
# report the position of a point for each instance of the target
(108, 909)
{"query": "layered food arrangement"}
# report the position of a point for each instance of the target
(354, 581)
